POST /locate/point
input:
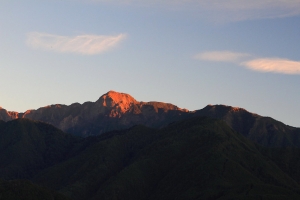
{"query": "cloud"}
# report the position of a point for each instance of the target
(221, 56)
(81, 44)
(272, 65)
(224, 10)
(275, 65)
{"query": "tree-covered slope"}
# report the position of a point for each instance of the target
(262, 130)
(198, 158)
(25, 190)
(195, 158)
(28, 146)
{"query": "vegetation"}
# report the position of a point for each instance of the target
(199, 158)
(195, 158)
(27, 147)
(25, 190)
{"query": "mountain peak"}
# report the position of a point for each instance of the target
(112, 111)
(113, 99)
(118, 98)
(225, 107)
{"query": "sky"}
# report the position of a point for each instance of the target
(187, 52)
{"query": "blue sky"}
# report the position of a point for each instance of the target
(187, 52)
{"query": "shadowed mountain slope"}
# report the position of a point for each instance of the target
(25, 190)
(197, 158)
(262, 130)
(28, 146)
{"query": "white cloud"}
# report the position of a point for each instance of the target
(225, 10)
(275, 65)
(221, 56)
(271, 65)
(82, 44)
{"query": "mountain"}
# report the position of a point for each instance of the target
(111, 111)
(8, 115)
(262, 130)
(196, 158)
(117, 111)
(146, 150)
(27, 147)
(26, 190)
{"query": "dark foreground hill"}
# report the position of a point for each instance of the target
(195, 158)
(25, 190)
(262, 130)
(198, 158)
(27, 147)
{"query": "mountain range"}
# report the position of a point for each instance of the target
(117, 111)
(120, 148)
(111, 111)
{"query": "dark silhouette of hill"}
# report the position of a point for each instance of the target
(288, 159)
(262, 130)
(27, 147)
(197, 158)
(25, 190)
(194, 158)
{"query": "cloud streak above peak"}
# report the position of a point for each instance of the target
(275, 65)
(80, 44)
(268, 65)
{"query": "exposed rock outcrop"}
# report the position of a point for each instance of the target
(8, 115)
(115, 111)
(111, 111)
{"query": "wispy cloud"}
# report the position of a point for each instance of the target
(272, 65)
(228, 10)
(275, 65)
(81, 44)
(221, 56)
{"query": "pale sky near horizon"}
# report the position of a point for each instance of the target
(187, 52)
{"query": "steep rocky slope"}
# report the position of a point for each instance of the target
(111, 111)
(8, 115)
(116, 111)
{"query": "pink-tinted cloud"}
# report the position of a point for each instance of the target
(81, 44)
(221, 56)
(271, 65)
(275, 65)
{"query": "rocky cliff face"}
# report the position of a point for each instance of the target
(8, 115)
(111, 111)
(115, 111)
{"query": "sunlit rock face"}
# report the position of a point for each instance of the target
(116, 111)
(112, 111)
(8, 115)
(115, 104)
